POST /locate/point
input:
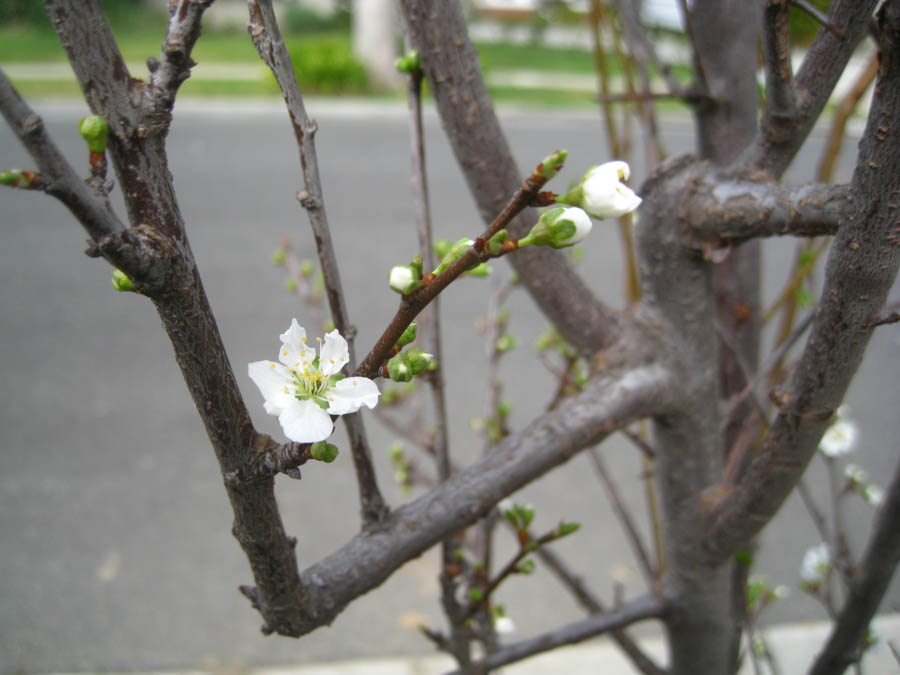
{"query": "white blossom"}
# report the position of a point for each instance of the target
(403, 279)
(305, 389)
(815, 566)
(604, 194)
(504, 625)
(839, 439)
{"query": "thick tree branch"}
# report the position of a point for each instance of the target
(57, 177)
(611, 401)
(437, 30)
(641, 609)
(780, 135)
(861, 268)
(268, 42)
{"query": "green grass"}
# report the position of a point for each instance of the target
(322, 60)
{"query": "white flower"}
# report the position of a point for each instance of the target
(816, 563)
(855, 475)
(604, 195)
(504, 625)
(305, 389)
(403, 279)
(873, 494)
(839, 439)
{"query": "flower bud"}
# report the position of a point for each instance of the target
(399, 369)
(453, 254)
(324, 452)
(19, 178)
(559, 227)
(495, 243)
(404, 279)
(408, 335)
(94, 130)
(121, 282)
(551, 164)
(418, 360)
(408, 63)
(481, 271)
(601, 192)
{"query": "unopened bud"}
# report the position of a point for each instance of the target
(551, 165)
(94, 130)
(404, 279)
(324, 452)
(121, 282)
(453, 254)
(408, 335)
(559, 227)
(399, 369)
(602, 193)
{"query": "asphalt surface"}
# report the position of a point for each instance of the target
(116, 547)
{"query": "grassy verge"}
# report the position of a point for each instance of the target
(323, 62)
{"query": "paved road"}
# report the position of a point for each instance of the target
(116, 545)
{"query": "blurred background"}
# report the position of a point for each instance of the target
(117, 552)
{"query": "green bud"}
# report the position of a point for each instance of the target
(456, 250)
(564, 529)
(408, 335)
(526, 514)
(279, 257)
(94, 130)
(121, 282)
(480, 271)
(328, 325)
(503, 409)
(18, 178)
(418, 360)
(290, 285)
(442, 247)
(476, 594)
(324, 452)
(396, 450)
(307, 268)
(409, 62)
(495, 243)
(505, 343)
(399, 369)
(744, 557)
(551, 164)
(527, 566)
(416, 264)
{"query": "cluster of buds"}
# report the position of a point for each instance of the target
(409, 363)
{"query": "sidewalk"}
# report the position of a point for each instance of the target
(794, 646)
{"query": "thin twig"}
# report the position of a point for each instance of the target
(268, 42)
(646, 607)
(814, 12)
(627, 522)
(58, 178)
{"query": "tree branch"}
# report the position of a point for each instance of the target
(862, 265)
(268, 42)
(611, 401)
(641, 609)
(57, 177)
(873, 577)
(437, 30)
(780, 99)
(780, 137)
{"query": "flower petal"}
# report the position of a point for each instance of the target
(351, 393)
(274, 383)
(305, 422)
(334, 353)
(294, 352)
(604, 194)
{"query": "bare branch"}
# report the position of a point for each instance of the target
(642, 48)
(57, 177)
(641, 609)
(780, 138)
(628, 525)
(780, 99)
(437, 30)
(590, 603)
(862, 265)
(872, 579)
(813, 11)
(267, 39)
(610, 402)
